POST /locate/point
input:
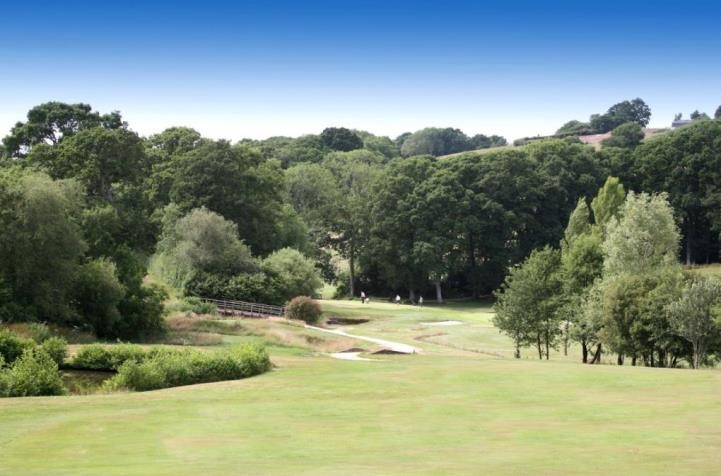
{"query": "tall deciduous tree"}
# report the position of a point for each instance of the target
(199, 242)
(635, 110)
(643, 239)
(237, 183)
(99, 158)
(528, 304)
(435, 141)
(686, 164)
(341, 139)
(641, 277)
(51, 122)
(355, 174)
(41, 243)
(693, 318)
(396, 223)
(608, 201)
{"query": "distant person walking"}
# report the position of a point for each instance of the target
(363, 297)
(398, 298)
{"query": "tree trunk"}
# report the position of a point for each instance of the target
(547, 344)
(597, 355)
(565, 338)
(518, 349)
(633, 360)
(584, 351)
(439, 294)
(351, 264)
(412, 295)
(690, 228)
(472, 259)
(538, 346)
(619, 361)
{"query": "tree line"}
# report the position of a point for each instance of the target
(89, 207)
(614, 285)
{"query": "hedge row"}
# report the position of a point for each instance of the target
(171, 368)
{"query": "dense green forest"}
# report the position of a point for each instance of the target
(88, 208)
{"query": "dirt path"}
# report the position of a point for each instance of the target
(387, 344)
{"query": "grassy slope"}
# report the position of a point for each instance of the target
(444, 411)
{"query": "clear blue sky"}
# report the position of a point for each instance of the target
(256, 69)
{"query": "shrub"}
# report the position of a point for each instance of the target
(169, 368)
(292, 274)
(98, 292)
(93, 357)
(304, 308)
(12, 346)
(39, 332)
(254, 287)
(194, 305)
(55, 348)
(34, 373)
(142, 310)
(99, 357)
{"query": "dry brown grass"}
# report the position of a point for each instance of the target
(193, 338)
(193, 329)
(292, 334)
(183, 321)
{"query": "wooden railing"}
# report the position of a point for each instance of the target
(248, 309)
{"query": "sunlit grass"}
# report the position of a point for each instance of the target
(463, 406)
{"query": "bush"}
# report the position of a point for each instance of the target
(142, 310)
(192, 304)
(34, 373)
(55, 348)
(12, 346)
(304, 308)
(98, 292)
(99, 357)
(255, 287)
(171, 368)
(292, 274)
(39, 332)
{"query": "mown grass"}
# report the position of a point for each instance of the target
(408, 324)
(446, 411)
(408, 414)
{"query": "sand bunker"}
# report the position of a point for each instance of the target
(442, 323)
(348, 356)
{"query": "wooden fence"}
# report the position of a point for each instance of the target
(247, 309)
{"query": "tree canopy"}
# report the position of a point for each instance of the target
(51, 122)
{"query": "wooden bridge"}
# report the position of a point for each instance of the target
(245, 309)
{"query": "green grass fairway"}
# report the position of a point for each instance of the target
(446, 411)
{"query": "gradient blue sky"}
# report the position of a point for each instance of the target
(256, 69)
